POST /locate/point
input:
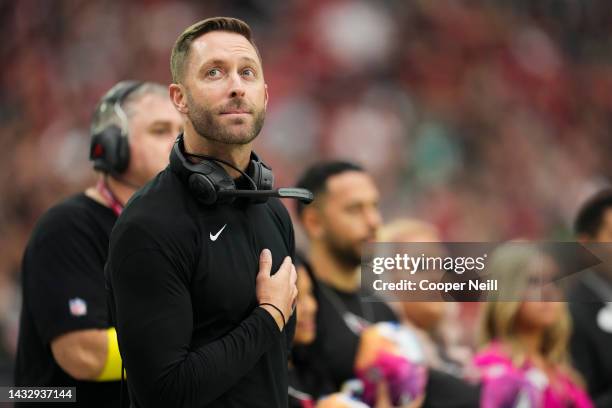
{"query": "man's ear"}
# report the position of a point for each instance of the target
(178, 98)
(313, 221)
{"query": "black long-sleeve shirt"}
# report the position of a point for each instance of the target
(590, 342)
(181, 278)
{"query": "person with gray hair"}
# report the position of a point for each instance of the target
(66, 337)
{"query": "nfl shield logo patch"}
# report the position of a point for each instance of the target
(78, 307)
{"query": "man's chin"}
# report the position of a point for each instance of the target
(239, 132)
(231, 136)
(240, 138)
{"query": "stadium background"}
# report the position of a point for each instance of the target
(490, 119)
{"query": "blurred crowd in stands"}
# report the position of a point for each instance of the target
(488, 119)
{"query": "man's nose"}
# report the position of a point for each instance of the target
(373, 217)
(237, 89)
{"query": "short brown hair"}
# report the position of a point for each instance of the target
(180, 51)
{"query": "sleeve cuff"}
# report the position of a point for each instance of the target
(268, 321)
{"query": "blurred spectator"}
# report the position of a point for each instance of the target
(343, 217)
(391, 365)
(66, 334)
(438, 325)
(525, 359)
(308, 380)
(591, 300)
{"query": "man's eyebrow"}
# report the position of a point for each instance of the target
(249, 59)
(218, 61)
(221, 62)
(214, 61)
(161, 122)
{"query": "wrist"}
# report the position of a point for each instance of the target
(276, 313)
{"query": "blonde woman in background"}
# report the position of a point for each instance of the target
(524, 361)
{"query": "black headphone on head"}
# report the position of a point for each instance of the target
(110, 147)
(211, 184)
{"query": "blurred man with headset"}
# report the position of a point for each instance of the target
(66, 338)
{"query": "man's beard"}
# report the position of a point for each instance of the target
(344, 252)
(206, 122)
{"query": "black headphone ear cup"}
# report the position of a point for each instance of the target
(123, 154)
(98, 151)
(222, 181)
(110, 147)
(263, 178)
(202, 188)
(261, 174)
(110, 150)
(267, 178)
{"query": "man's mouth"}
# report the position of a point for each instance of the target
(235, 112)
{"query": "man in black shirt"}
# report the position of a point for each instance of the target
(590, 302)
(344, 217)
(65, 336)
(201, 321)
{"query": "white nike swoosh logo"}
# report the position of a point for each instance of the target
(214, 237)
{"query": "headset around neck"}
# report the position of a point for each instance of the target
(211, 184)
